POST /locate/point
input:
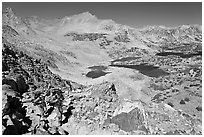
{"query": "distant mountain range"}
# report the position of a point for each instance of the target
(112, 40)
(86, 22)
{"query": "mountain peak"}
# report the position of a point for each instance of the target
(80, 18)
(85, 15)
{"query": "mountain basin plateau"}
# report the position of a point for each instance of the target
(81, 75)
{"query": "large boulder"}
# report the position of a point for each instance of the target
(10, 130)
(4, 66)
(131, 121)
(13, 110)
(22, 86)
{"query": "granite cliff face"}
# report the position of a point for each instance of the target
(83, 75)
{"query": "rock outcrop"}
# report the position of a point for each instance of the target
(31, 92)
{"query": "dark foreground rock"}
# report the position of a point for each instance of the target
(129, 121)
(32, 94)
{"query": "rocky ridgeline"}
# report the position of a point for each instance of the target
(86, 36)
(6, 29)
(181, 34)
(185, 38)
(18, 23)
(119, 37)
(25, 79)
(183, 47)
(120, 52)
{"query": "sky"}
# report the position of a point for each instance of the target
(134, 14)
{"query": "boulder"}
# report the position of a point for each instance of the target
(4, 66)
(22, 86)
(10, 130)
(129, 121)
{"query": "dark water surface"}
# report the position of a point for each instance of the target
(179, 54)
(145, 69)
(97, 71)
(96, 74)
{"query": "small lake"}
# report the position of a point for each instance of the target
(148, 70)
(97, 71)
(96, 74)
(179, 54)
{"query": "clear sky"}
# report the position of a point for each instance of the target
(134, 14)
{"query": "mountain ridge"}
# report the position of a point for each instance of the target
(85, 17)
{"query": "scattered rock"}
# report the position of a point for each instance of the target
(199, 108)
(182, 102)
